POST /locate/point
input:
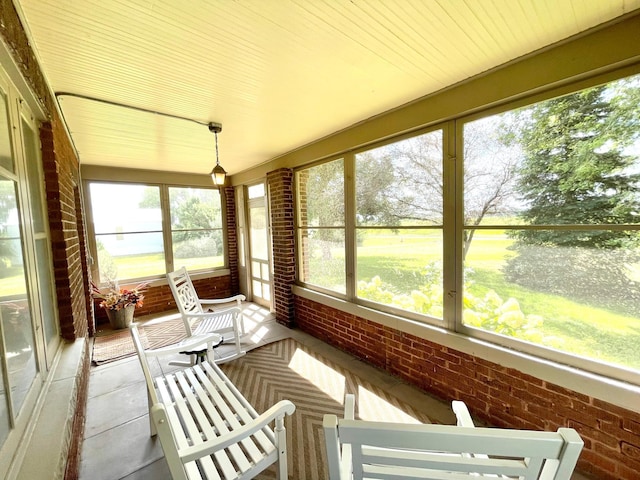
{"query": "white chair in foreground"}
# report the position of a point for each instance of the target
(226, 322)
(358, 449)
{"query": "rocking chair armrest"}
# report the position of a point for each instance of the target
(217, 301)
(195, 316)
(209, 320)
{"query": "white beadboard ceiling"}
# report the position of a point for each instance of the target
(277, 74)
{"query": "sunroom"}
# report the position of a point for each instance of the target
(449, 191)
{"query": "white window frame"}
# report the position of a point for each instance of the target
(166, 227)
(590, 373)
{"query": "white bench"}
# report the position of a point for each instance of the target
(207, 429)
(358, 449)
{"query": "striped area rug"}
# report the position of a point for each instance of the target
(288, 370)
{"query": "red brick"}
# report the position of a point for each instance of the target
(631, 451)
(499, 395)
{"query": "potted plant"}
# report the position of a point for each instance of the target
(119, 303)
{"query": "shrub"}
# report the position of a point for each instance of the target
(489, 313)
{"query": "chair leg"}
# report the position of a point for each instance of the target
(236, 335)
(281, 444)
(152, 426)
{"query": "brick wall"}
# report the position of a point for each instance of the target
(13, 34)
(501, 396)
(160, 299)
(280, 184)
(60, 166)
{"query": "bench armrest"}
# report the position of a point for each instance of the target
(339, 456)
(279, 410)
(349, 406)
(462, 414)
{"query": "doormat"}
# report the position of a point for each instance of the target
(119, 345)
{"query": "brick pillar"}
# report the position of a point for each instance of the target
(229, 200)
(84, 262)
(61, 181)
(280, 184)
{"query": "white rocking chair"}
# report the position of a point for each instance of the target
(358, 449)
(226, 322)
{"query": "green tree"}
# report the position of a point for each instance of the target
(324, 203)
(577, 170)
(193, 218)
(491, 159)
(8, 205)
(417, 190)
(374, 204)
(195, 221)
(150, 198)
(413, 190)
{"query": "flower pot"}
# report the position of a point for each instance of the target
(121, 318)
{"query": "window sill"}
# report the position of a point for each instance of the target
(624, 395)
(158, 282)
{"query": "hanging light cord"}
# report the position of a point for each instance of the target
(217, 157)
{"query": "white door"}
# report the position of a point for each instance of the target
(259, 245)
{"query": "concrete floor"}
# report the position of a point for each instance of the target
(117, 444)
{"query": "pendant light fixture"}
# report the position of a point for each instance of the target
(218, 175)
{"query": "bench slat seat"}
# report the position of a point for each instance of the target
(207, 429)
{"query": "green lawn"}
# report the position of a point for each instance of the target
(12, 283)
(150, 265)
(570, 326)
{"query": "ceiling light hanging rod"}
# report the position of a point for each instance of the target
(139, 109)
(218, 174)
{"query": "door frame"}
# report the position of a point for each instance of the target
(245, 263)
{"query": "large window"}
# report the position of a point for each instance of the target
(521, 227)
(321, 232)
(390, 236)
(551, 212)
(130, 240)
(399, 217)
(127, 222)
(196, 228)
